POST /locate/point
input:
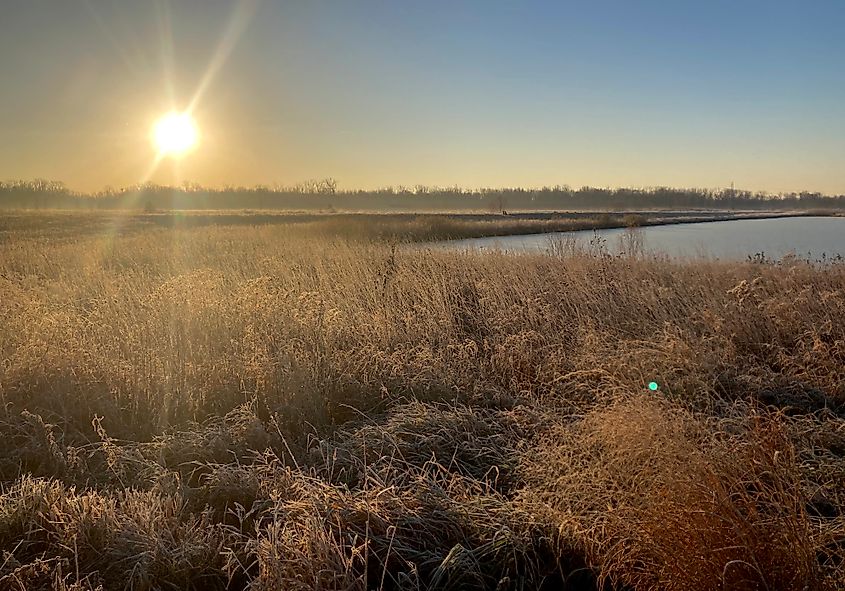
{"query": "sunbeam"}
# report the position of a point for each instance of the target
(238, 23)
(117, 45)
(165, 35)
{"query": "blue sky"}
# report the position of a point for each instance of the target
(373, 93)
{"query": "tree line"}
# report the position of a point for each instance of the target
(324, 195)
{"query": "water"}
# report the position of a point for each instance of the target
(806, 237)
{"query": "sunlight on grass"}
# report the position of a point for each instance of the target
(227, 406)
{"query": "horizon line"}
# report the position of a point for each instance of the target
(330, 186)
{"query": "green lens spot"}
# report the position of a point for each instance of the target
(652, 386)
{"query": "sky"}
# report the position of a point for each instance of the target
(374, 93)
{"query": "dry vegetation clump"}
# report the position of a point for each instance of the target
(433, 531)
(663, 500)
(137, 538)
(233, 407)
(266, 526)
(471, 442)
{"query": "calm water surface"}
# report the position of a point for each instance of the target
(807, 237)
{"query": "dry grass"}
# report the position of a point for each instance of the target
(232, 407)
(666, 501)
(398, 227)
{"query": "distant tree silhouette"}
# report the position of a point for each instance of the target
(323, 194)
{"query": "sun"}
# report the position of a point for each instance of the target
(175, 134)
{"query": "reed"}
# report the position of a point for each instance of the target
(234, 406)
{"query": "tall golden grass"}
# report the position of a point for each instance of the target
(280, 406)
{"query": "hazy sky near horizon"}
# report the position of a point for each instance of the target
(473, 93)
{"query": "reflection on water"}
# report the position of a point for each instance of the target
(806, 237)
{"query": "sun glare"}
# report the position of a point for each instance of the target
(175, 134)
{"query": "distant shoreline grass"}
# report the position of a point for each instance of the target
(405, 227)
(254, 407)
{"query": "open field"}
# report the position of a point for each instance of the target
(391, 227)
(302, 405)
